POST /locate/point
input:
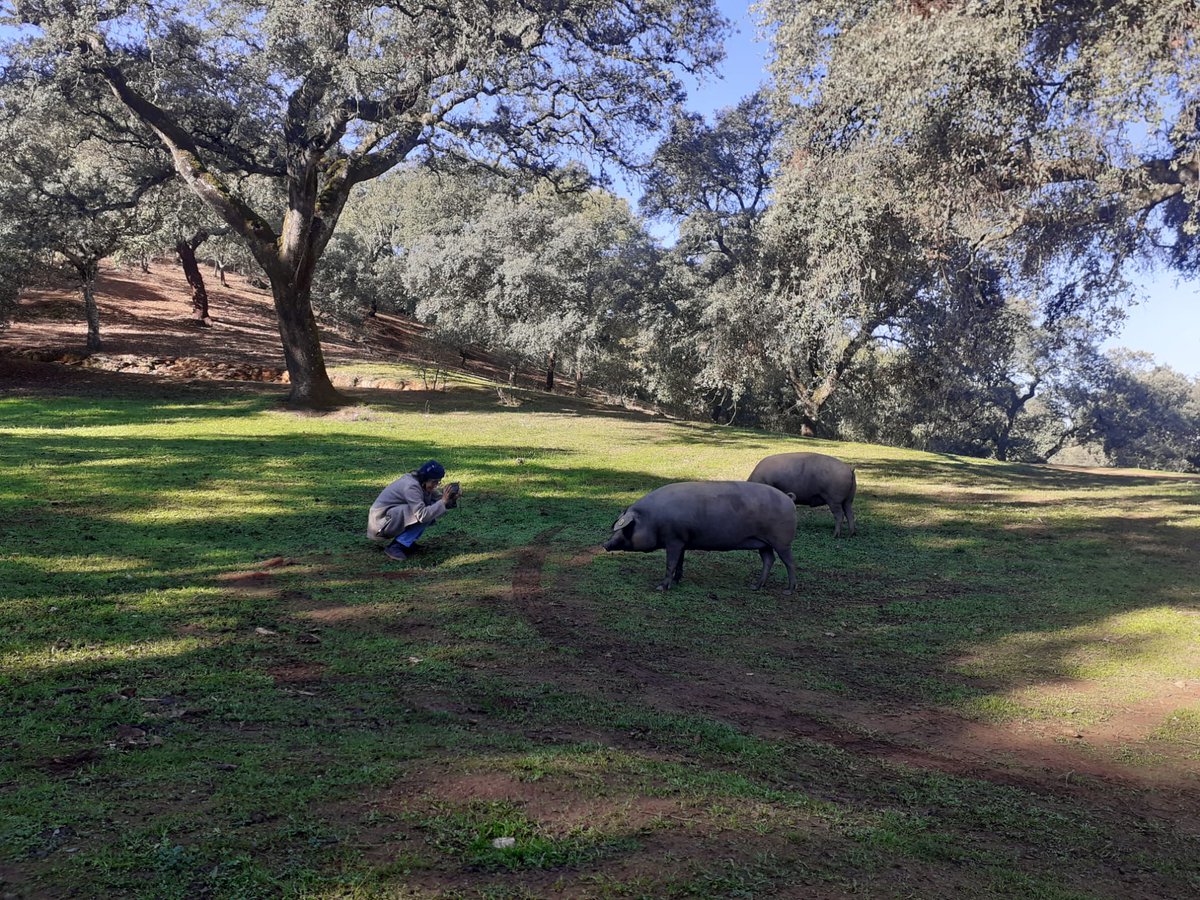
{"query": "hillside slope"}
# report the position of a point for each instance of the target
(147, 316)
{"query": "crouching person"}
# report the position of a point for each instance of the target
(409, 505)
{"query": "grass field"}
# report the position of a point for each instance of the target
(211, 684)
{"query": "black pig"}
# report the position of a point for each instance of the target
(816, 480)
(710, 515)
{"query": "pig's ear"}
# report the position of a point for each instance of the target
(626, 519)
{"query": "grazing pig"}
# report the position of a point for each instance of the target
(710, 515)
(815, 479)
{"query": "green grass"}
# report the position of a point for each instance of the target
(179, 720)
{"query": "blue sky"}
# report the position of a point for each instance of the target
(1165, 317)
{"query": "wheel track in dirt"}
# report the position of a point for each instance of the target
(922, 738)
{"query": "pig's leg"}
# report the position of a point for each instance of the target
(848, 507)
(768, 559)
(836, 509)
(674, 561)
(679, 567)
(785, 554)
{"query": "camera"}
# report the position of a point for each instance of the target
(453, 489)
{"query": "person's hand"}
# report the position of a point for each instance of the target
(450, 494)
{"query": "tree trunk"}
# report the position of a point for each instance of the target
(1004, 438)
(195, 280)
(87, 279)
(1057, 446)
(813, 392)
(578, 370)
(1011, 411)
(550, 370)
(288, 257)
(811, 427)
(809, 403)
(719, 405)
(302, 348)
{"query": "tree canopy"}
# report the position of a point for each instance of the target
(319, 96)
(72, 191)
(715, 180)
(934, 153)
(507, 262)
(920, 231)
(1059, 139)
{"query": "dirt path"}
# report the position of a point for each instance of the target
(925, 738)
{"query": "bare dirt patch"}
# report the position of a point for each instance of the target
(1130, 725)
(297, 673)
(926, 738)
(253, 583)
(671, 840)
(557, 805)
(69, 763)
(22, 376)
(147, 317)
(336, 615)
(676, 845)
(150, 315)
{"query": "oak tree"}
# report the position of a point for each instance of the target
(318, 96)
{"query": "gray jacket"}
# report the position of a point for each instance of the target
(400, 504)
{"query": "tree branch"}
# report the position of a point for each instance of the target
(186, 156)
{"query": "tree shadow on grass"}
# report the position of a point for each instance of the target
(46, 395)
(56, 394)
(69, 497)
(114, 504)
(514, 636)
(969, 472)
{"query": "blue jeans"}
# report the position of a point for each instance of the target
(409, 535)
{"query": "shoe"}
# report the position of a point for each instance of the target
(396, 552)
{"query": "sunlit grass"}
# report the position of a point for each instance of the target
(1181, 726)
(54, 655)
(1160, 641)
(192, 720)
(64, 561)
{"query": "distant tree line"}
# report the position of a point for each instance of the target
(917, 233)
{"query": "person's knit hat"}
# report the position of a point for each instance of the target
(431, 471)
